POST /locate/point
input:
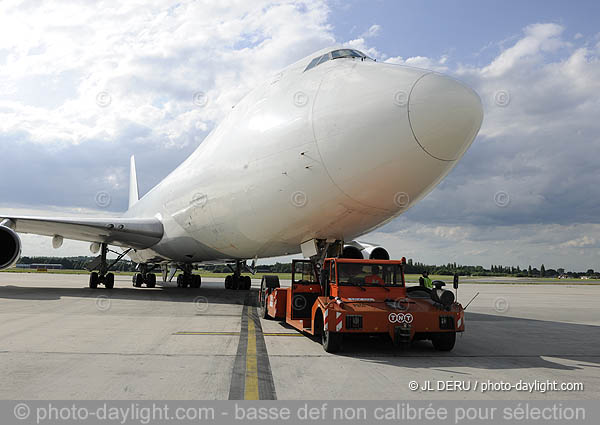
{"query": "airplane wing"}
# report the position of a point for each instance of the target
(124, 232)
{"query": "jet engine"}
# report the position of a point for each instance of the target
(364, 251)
(10, 247)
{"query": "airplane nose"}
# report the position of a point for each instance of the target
(444, 116)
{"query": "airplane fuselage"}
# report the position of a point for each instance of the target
(332, 152)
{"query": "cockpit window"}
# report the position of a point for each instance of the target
(335, 54)
(346, 53)
(317, 61)
(313, 63)
(324, 58)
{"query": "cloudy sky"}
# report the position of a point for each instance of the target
(83, 85)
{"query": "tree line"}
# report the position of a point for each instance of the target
(75, 263)
(412, 267)
(496, 270)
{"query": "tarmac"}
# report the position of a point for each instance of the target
(61, 340)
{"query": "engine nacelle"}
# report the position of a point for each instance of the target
(10, 247)
(364, 251)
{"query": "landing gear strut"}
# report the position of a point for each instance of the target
(103, 277)
(325, 249)
(188, 279)
(236, 280)
(144, 276)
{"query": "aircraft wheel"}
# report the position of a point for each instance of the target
(228, 280)
(332, 341)
(109, 281)
(151, 280)
(185, 280)
(444, 341)
(196, 281)
(94, 280)
(138, 279)
(247, 282)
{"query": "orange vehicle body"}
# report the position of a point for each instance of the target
(313, 307)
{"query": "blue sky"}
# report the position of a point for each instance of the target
(85, 85)
(470, 31)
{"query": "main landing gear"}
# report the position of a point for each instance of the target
(144, 277)
(102, 276)
(108, 280)
(236, 280)
(187, 279)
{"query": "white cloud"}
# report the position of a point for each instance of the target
(361, 44)
(582, 242)
(538, 38)
(373, 31)
(521, 245)
(421, 62)
(85, 84)
(148, 57)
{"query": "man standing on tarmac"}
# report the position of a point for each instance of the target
(427, 283)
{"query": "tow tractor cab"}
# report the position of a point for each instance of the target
(362, 296)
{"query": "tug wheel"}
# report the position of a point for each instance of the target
(332, 341)
(444, 341)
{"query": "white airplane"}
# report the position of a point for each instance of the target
(326, 150)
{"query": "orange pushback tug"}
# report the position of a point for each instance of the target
(350, 296)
